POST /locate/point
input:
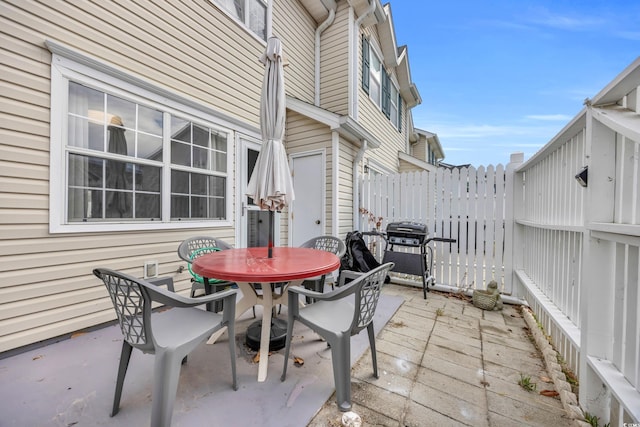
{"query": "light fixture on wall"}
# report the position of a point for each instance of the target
(366, 168)
(582, 176)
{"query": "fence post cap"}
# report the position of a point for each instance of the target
(517, 157)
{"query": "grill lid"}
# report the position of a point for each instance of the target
(407, 233)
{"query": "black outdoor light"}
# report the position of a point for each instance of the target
(582, 176)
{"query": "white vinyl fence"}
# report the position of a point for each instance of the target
(465, 204)
(570, 249)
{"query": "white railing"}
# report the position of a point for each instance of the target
(578, 260)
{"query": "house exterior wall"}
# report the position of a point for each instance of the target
(407, 167)
(346, 156)
(298, 46)
(303, 135)
(334, 63)
(195, 52)
(419, 149)
(373, 119)
(46, 285)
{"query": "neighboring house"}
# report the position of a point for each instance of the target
(425, 152)
(128, 127)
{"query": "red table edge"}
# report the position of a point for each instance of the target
(240, 277)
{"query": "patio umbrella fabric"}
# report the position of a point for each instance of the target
(270, 184)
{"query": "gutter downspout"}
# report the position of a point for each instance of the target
(356, 186)
(354, 59)
(319, 31)
(369, 11)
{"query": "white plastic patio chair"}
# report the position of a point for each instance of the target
(170, 334)
(336, 317)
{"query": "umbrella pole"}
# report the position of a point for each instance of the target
(270, 243)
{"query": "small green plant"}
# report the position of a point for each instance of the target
(593, 420)
(525, 383)
(440, 312)
(571, 378)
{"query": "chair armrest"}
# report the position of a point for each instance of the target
(173, 299)
(163, 281)
(348, 274)
(337, 293)
(303, 291)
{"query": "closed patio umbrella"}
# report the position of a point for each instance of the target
(117, 203)
(270, 184)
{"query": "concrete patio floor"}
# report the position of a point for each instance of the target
(441, 362)
(444, 362)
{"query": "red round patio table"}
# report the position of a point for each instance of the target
(245, 266)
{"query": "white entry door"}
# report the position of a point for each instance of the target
(253, 223)
(307, 217)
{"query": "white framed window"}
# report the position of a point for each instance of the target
(375, 168)
(253, 14)
(122, 161)
(393, 105)
(375, 79)
(377, 82)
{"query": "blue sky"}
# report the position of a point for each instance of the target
(505, 76)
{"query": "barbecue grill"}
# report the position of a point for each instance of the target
(411, 235)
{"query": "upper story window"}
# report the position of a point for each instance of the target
(375, 79)
(132, 163)
(395, 102)
(378, 84)
(251, 13)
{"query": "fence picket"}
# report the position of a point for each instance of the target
(463, 235)
(499, 218)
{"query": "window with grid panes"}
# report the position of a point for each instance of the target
(118, 152)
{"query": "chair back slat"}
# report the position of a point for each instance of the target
(198, 253)
(326, 243)
(192, 244)
(132, 306)
(367, 297)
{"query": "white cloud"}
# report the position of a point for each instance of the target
(550, 117)
(451, 130)
(629, 35)
(546, 18)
